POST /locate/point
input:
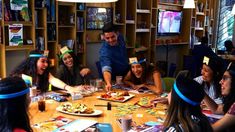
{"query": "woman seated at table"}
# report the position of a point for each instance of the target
(70, 71)
(184, 112)
(37, 66)
(14, 105)
(211, 74)
(227, 122)
(141, 76)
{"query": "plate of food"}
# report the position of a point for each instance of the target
(144, 102)
(78, 109)
(116, 96)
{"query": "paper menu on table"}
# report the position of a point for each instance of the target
(76, 126)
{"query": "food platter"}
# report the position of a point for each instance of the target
(95, 113)
(78, 110)
(116, 97)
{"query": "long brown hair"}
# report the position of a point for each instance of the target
(180, 112)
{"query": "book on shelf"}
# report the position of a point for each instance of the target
(20, 10)
(69, 43)
(1, 9)
(40, 45)
(48, 6)
(15, 34)
(40, 3)
(51, 32)
(7, 14)
(52, 11)
(36, 18)
(80, 23)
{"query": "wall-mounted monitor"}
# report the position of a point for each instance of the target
(97, 17)
(169, 22)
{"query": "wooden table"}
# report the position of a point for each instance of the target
(108, 116)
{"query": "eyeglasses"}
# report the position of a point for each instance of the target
(224, 78)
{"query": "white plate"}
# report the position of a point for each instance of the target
(124, 100)
(95, 113)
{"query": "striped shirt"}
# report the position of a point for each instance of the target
(210, 91)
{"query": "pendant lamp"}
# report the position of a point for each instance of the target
(233, 10)
(88, 1)
(189, 4)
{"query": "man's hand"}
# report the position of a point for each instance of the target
(108, 87)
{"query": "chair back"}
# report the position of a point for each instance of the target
(169, 81)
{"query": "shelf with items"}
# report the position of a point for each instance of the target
(66, 13)
(130, 11)
(153, 26)
(202, 21)
(26, 34)
(17, 32)
(40, 17)
(119, 13)
(80, 44)
(21, 47)
(143, 29)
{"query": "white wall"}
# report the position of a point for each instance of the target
(175, 55)
(14, 58)
(92, 51)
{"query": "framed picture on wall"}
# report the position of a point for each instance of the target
(97, 17)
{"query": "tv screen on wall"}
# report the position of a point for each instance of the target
(97, 17)
(169, 22)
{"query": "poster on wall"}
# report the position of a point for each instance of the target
(97, 17)
(20, 7)
(15, 34)
(18, 4)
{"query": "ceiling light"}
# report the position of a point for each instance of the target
(89, 1)
(189, 4)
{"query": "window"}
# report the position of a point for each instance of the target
(226, 22)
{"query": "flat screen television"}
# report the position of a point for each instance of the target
(169, 22)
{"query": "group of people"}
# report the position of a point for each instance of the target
(188, 96)
(213, 89)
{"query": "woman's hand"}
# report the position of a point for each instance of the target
(160, 100)
(85, 71)
(136, 87)
(72, 90)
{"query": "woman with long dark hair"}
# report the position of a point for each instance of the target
(37, 66)
(142, 76)
(70, 71)
(227, 122)
(184, 111)
(211, 75)
(14, 103)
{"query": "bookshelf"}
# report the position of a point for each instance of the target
(80, 44)
(17, 28)
(153, 28)
(202, 21)
(134, 22)
(66, 25)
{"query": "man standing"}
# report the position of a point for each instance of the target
(113, 55)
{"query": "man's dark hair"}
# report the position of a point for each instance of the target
(109, 27)
(228, 45)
